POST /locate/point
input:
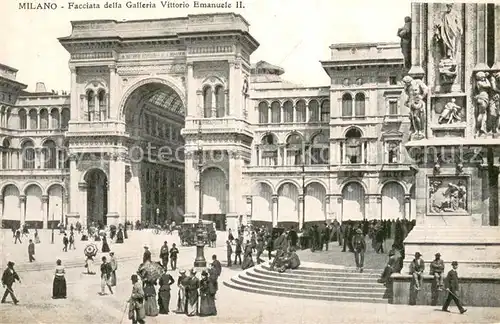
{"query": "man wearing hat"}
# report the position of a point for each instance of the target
(8, 278)
(164, 254)
(114, 266)
(136, 301)
(391, 267)
(147, 254)
(359, 246)
(453, 289)
(437, 268)
(417, 267)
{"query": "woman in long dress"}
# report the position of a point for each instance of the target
(247, 259)
(59, 284)
(192, 294)
(105, 246)
(164, 292)
(150, 305)
(207, 295)
(182, 282)
(37, 238)
(89, 264)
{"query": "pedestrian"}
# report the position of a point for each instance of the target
(72, 240)
(65, 243)
(207, 296)
(216, 265)
(114, 266)
(37, 238)
(237, 252)
(105, 276)
(105, 247)
(325, 237)
(436, 270)
(164, 255)
(230, 236)
(8, 278)
(182, 282)
(165, 282)
(173, 256)
(192, 294)
(59, 284)
(453, 289)
(31, 251)
(147, 254)
(136, 311)
(229, 251)
(417, 267)
(359, 246)
(17, 237)
(260, 249)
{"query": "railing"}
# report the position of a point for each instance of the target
(34, 172)
(32, 132)
(96, 127)
(215, 125)
(297, 169)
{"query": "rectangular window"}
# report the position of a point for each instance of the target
(393, 80)
(393, 107)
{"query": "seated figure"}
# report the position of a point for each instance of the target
(289, 260)
(393, 265)
(436, 270)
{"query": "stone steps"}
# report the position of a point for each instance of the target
(334, 284)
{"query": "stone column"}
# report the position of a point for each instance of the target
(82, 194)
(496, 65)
(328, 212)
(235, 88)
(200, 109)
(116, 205)
(275, 210)
(45, 201)
(407, 206)
(418, 34)
(338, 200)
(481, 35)
(22, 202)
(114, 96)
(191, 96)
(73, 187)
(1, 211)
(74, 96)
(301, 211)
(191, 183)
(233, 182)
(213, 113)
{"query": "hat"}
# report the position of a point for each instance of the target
(182, 271)
(359, 231)
(454, 263)
(417, 254)
(438, 254)
(10, 264)
(146, 247)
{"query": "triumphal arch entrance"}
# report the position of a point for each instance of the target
(154, 104)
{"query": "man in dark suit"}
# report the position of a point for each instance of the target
(216, 265)
(31, 251)
(359, 246)
(8, 278)
(453, 289)
(147, 255)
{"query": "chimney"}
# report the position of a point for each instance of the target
(40, 87)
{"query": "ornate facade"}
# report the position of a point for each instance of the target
(148, 111)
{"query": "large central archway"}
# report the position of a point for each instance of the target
(154, 113)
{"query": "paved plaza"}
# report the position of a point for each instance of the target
(84, 305)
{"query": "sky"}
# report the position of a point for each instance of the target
(294, 34)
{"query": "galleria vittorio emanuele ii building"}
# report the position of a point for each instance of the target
(146, 97)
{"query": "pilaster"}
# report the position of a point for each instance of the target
(114, 93)
(22, 202)
(407, 206)
(275, 210)
(74, 95)
(73, 187)
(481, 37)
(1, 211)
(301, 211)
(190, 178)
(235, 87)
(116, 205)
(82, 206)
(45, 201)
(417, 39)
(192, 94)
(496, 65)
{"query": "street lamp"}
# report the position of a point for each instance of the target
(157, 215)
(200, 261)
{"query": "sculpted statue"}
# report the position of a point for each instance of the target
(452, 113)
(405, 34)
(448, 33)
(416, 92)
(487, 102)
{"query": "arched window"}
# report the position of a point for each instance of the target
(354, 151)
(90, 105)
(23, 119)
(325, 111)
(359, 104)
(54, 118)
(33, 119)
(6, 153)
(65, 117)
(102, 105)
(219, 101)
(294, 150)
(49, 155)
(288, 112)
(44, 119)
(263, 113)
(320, 149)
(269, 150)
(275, 112)
(28, 155)
(313, 111)
(207, 102)
(346, 105)
(300, 109)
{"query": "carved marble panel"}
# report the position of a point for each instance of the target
(448, 195)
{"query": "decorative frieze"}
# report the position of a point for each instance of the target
(211, 49)
(91, 56)
(151, 55)
(153, 68)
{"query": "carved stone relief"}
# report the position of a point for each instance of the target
(448, 110)
(487, 101)
(448, 195)
(416, 96)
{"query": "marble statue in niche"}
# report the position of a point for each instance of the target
(405, 34)
(416, 92)
(487, 100)
(448, 196)
(447, 36)
(452, 113)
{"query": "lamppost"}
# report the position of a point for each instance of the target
(200, 261)
(157, 215)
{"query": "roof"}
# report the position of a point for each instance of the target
(263, 67)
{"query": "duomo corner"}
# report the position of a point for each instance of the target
(404, 130)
